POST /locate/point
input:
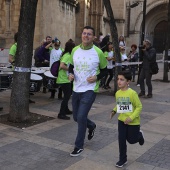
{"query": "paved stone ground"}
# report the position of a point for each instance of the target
(46, 146)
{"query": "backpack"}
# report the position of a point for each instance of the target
(154, 68)
(55, 68)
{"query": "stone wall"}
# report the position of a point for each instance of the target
(55, 18)
(58, 20)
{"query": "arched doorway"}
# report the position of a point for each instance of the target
(160, 33)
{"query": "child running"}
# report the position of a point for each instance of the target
(129, 108)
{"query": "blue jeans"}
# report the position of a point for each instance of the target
(82, 103)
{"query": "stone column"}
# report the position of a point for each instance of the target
(96, 13)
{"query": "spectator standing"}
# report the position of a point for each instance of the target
(128, 107)
(43, 54)
(123, 57)
(133, 57)
(122, 41)
(12, 55)
(149, 56)
(36, 51)
(13, 50)
(55, 55)
(89, 65)
(100, 37)
(104, 42)
(109, 54)
(63, 81)
(96, 42)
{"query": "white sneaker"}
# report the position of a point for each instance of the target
(142, 139)
(138, 85)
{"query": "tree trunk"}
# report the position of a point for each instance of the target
(19, 103)
(114, 34)
(166, 69)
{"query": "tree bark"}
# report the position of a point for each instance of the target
(114, 34)
(19, 103)
(166, 68)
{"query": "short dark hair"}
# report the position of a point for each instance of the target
(89, 27)
(48, 37)
(126, 74)
(134, 45)
(16, 37)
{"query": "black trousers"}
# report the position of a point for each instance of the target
(106, 79)
(145, 74)
(66, 88)
(130, 133)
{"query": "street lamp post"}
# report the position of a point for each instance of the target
(142, 39)
(143, 22)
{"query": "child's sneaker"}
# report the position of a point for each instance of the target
(76, 152)
(142, 139)
(120, 164)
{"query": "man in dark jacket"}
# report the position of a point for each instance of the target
(43, 54)
(149, 56)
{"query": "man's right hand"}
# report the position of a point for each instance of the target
(71, 77)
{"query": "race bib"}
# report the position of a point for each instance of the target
(124, 108)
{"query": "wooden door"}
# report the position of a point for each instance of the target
(160, 33)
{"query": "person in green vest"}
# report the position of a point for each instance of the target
(63, 80)
(12, 56)
(13, 50)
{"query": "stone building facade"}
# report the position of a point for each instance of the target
(65, 19)
(55, 18)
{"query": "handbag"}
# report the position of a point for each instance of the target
(55, 68)
(154, 69)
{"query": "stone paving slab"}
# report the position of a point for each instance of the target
(31, 156)
(2, 135)
(157, 108)
(161, 98)
(103, 136)
(158, 155)
(146, 118)
(100, 98)
(47, 145)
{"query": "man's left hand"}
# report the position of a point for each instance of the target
(92, 79)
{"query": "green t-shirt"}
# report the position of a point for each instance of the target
(63, 74)
(128, 104)
(13, 51)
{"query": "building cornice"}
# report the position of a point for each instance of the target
(71, 2)
(107, 19)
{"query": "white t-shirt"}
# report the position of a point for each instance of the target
(55, 55)
(86, 63)
(124, 57)
(110, 63)
(101, 38)
(122, 44)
